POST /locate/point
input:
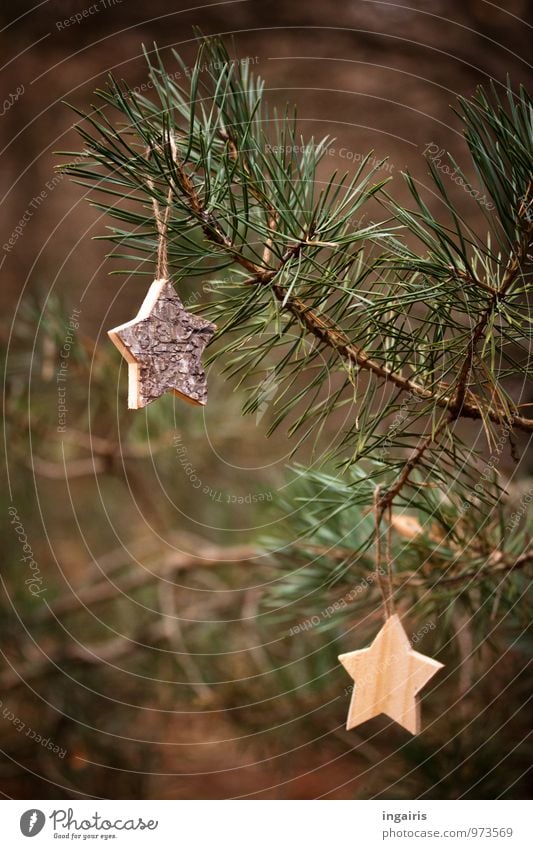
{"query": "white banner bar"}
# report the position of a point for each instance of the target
(266, 824)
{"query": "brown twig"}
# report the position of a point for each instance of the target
(415, 458)
(497, 563)
(105, 590)
(69, 470)
(329, 334)
(174, 635)
(517, 258)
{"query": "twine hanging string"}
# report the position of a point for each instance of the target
(384, 579)
(388, 558)
(162, 219)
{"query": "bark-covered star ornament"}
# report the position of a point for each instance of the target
(163, 346)
(388, 677)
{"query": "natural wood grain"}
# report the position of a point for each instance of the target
(388, 676)
(163, 345)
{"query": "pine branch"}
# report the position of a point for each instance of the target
(516, 262)
(386, 499)
(425, 308)
(326, 332)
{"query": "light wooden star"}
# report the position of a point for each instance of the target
(163, 345)
(388, 676)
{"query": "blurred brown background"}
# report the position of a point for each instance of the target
(375, 75)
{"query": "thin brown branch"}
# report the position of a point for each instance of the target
(473, 281)
(174, 635)
(111, 448)
(497, 563)
(105, 590)
(327, 332)
(210, 226)
(70, 470)
(270, 210)
(104, 653)
(514, 266)
(416, 457)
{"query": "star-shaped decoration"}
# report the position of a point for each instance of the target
(388, 676)
(163, 345)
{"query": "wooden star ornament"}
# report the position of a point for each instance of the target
(163, 345)
(388, 677)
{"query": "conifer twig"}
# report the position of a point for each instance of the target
(328, 333)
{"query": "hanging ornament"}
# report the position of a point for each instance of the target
(389, 674)
(163, 344)
(388, 677)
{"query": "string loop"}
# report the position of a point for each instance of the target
(384, 579)
(162, 219)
